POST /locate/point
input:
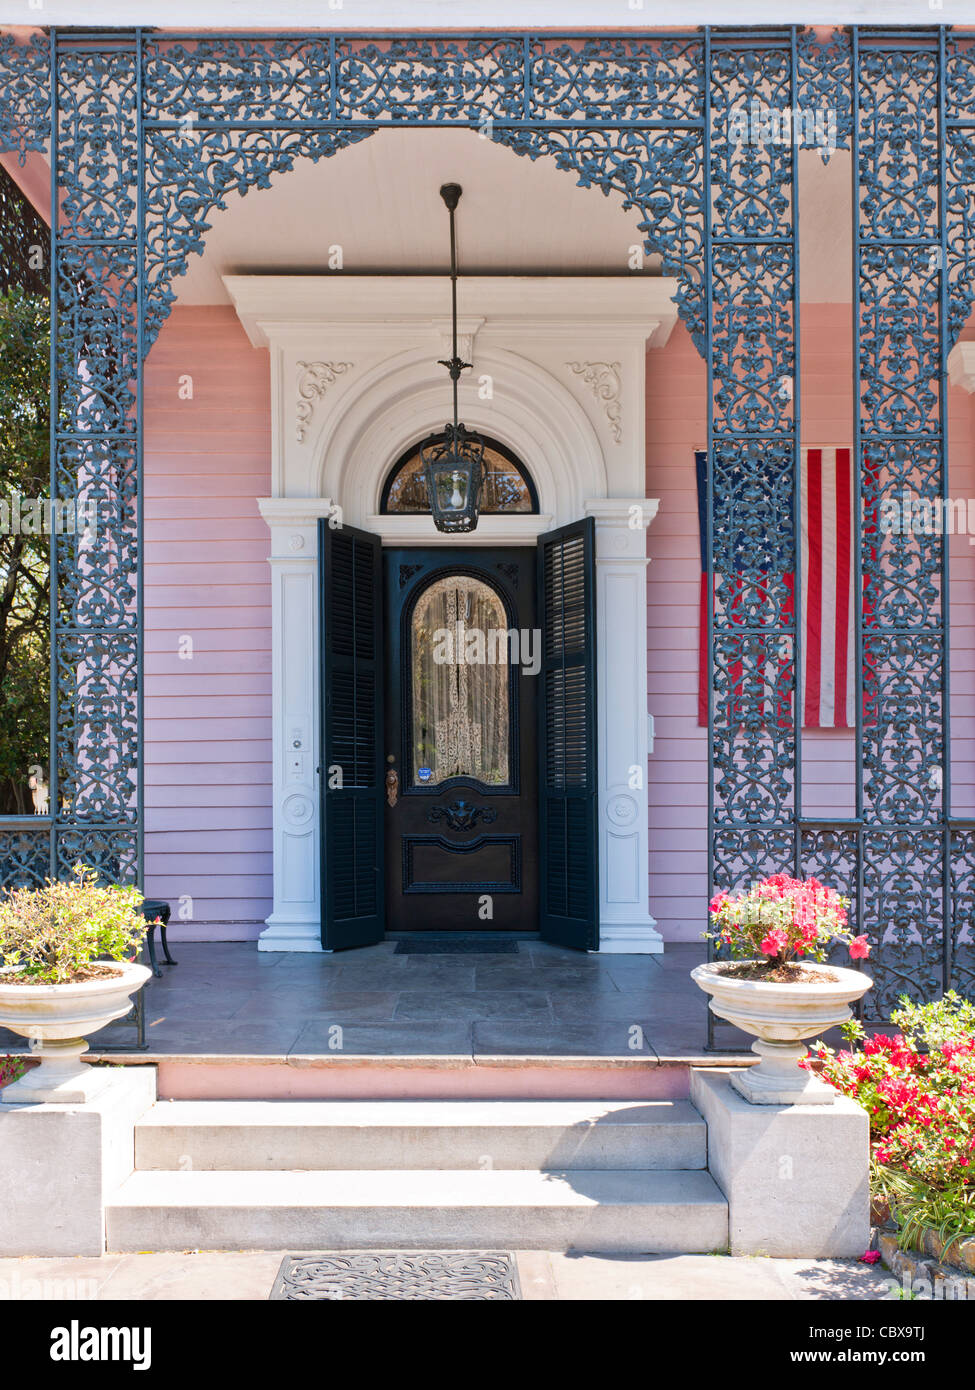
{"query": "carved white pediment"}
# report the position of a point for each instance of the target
(570, 351)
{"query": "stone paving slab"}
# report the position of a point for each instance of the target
(242, 1276)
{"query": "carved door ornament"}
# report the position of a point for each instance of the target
(462, 815)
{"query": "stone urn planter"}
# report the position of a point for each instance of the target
(58, 1019)
(781, 1017)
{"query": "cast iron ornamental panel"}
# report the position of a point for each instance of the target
(190, 120)
(752, 371)
(95, 455)
(753, 398)
(903, 740)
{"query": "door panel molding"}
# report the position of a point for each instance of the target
(512, 884)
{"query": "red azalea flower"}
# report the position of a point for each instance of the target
(774, 942)
(859, 948)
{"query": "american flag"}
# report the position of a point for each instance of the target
(828, 620)
(827, 589)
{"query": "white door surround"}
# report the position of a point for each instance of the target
(559, 376)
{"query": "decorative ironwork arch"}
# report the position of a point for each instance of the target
(154, 132)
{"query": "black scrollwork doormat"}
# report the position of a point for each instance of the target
(398, 1276)
(444, 946)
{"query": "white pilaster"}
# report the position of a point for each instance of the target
(625, 924)
(295, 921)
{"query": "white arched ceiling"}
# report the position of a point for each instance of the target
(379, 201)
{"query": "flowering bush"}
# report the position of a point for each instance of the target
(11, 1069)
(56, 931)
(782, 918)
(918, 1087)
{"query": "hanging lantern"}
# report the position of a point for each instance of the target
(452, 462)
(452, 465)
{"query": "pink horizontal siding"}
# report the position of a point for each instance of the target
(676, 426)
(208, 719)
(961, 561)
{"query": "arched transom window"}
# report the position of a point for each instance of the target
(507, 485)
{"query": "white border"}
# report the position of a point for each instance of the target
(352, 16)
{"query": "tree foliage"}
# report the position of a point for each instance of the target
(24, 558)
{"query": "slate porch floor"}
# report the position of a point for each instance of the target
(228, 998)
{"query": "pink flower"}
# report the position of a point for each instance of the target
(773, 943)
(859, 948)
(870, 1257)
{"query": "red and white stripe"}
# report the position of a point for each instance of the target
(827, 589)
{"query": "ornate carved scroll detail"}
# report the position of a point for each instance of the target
(604, 380)
(314, 379)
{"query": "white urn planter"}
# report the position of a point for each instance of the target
(781, 1017)
(57, 1019)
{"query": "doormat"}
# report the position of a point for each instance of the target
(438, 946)
(398, 1276)
(444, 945)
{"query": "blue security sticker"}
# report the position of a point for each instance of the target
(424, 773)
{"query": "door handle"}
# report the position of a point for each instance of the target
(392, 787)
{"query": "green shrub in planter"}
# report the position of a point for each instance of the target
(54, 934)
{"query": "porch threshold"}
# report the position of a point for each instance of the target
(222, 1076)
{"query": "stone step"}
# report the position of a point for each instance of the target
(627, 1212)
(329, 1135)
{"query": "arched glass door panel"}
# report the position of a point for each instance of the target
(460, 688)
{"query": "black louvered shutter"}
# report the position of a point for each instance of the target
(350, 608)
(568, 837)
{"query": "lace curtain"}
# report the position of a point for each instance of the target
(461, 718)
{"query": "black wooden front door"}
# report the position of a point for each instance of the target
(463, 661)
